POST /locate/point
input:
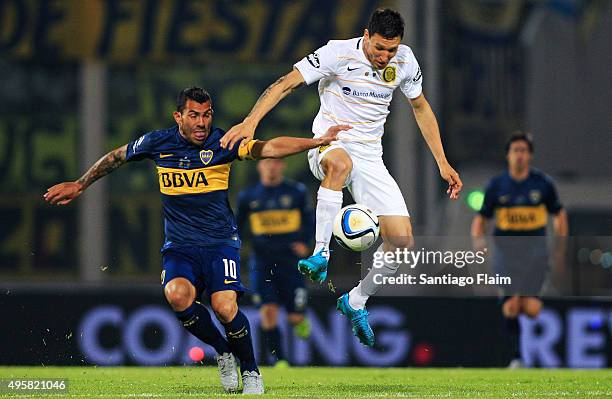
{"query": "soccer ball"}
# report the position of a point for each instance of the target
(356, 227)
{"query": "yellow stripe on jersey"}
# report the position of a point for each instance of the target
(336, 119)
(245, 152)
(277, 221)
(521, 218)
(174, 181)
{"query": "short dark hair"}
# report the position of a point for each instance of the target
(520, 136)
(386, 22)
(194, 93)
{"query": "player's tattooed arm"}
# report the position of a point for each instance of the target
(64, 193)
(285, 84)
(278, 90)
(104, 166)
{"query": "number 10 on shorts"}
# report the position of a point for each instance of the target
(230, 268)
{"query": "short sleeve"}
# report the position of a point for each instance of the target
(412, 85)
(553, 204)
(245, 152)
(141, 148)
(488, 204)
(318, 65)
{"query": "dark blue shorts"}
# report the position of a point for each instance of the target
(210, 269)
(278, 281)
(525, 261)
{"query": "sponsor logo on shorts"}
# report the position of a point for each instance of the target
(163, 276)
(324, 147)
(226, 281)
(165, 155)
(389, 74)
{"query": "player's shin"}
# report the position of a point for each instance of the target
(329, 203)
(272, 339)
(196, 319)
(513, 333)
(367, 287)
(239, 338)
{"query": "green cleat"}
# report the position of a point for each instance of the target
(302, 329)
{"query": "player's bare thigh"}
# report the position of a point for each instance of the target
(336, 165)
(396, 232)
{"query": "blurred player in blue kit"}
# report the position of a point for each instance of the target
(201, 248)
(281, 224)
(520, 200)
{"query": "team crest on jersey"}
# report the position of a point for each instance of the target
(206, 156)
(389, 73)
(535, 196)
(504, 199)
(285, 201)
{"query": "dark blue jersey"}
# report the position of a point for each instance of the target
(193, 182)
(276, 217)
(520, 208)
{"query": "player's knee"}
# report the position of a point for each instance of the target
(532, 307)
(225, 310)
(400, 242)
(269, 316)
(179, 296)
(338, 168)
(511, 308)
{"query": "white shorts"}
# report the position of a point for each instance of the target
(370, 183)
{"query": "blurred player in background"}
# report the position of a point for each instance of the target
(520, 200)
(357, 78)
(201, 249)
(281, 224)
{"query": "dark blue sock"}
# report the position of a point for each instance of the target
(513, 329)
(272, 340)
(239, 338)
(196, 319)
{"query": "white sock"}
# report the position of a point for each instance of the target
(329, 203)
(359, 295)
(356, 299)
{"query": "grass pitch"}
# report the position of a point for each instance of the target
(324, 382)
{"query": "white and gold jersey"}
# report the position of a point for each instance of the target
(353, 92)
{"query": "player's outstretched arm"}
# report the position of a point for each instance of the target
(431, 133)
(269, 98)
(64, 193)
(281, 147)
